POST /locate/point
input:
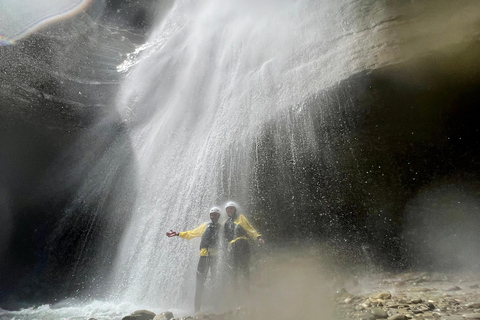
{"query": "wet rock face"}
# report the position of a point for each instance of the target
(55, 85)
(64, 76)
(390, 135)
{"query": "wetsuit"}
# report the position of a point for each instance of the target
(237, 232)
(208, 253)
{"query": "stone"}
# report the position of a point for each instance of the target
(398, 317)
(473, 305)
(379, 313)
(140, 315)
(471, 316)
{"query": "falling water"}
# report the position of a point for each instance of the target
(197, 95)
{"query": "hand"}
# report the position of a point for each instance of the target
(172, 234)
(260, 239)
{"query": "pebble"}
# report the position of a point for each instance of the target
(379, 313)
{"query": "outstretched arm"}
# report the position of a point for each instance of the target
(251, 230)
(172, 233)
(195, 233)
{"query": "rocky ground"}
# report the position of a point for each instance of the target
(417, 296)
(414, 296)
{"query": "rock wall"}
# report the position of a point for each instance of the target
(55, 85)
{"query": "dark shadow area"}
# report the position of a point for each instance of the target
(57, 124)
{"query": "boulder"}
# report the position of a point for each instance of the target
(140, 315)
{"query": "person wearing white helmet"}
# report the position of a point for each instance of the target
(208, 232)
(237, 231)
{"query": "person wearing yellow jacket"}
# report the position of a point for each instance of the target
(208, 231)
(237, 232)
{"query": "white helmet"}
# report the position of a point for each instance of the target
(215, 210)
(231, 204)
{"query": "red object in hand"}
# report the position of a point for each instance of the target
(172, 234)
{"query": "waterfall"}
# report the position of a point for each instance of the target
(196, 97)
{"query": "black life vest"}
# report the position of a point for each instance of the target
(210, 237)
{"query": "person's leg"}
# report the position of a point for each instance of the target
(246, 263)
(212, 264)
(202, 270)
(236, 264)
(212, 283)
(243, 261)
(241, 267)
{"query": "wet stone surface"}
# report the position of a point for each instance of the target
(419, 296)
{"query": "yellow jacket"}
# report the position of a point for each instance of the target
(196, 233)
(243, 222)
